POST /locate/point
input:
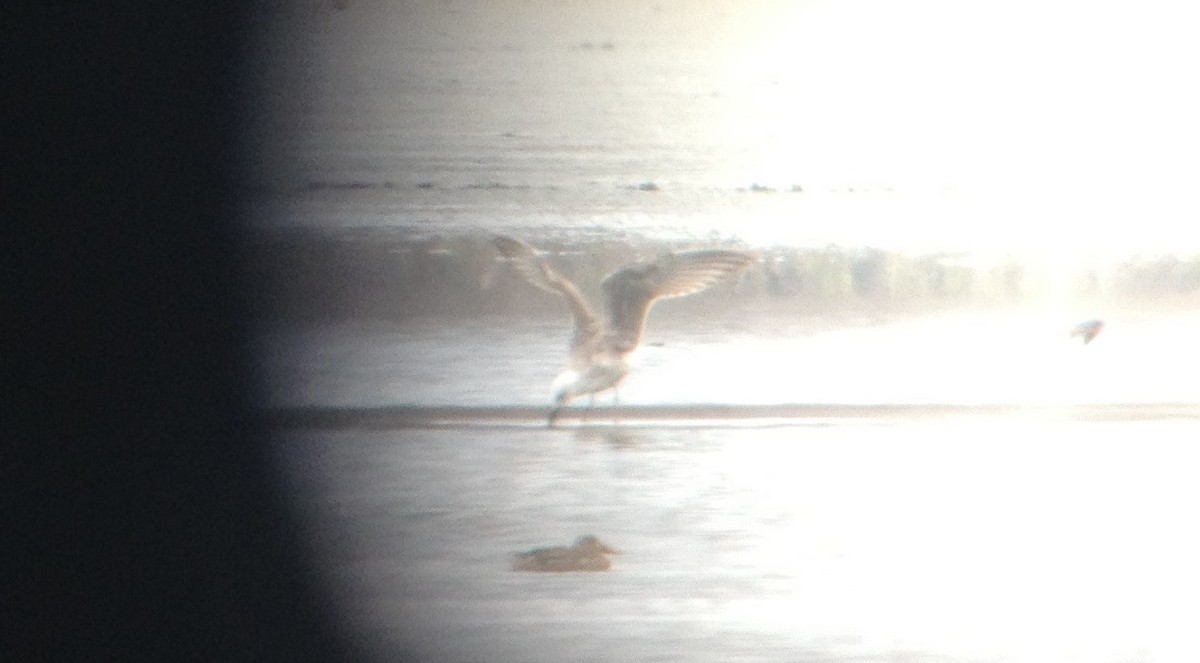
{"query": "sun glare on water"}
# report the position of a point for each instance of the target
(1057, 126)
(907, 534)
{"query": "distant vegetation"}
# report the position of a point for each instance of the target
(307, 276)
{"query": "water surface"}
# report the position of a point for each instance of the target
(905, 539)
(934, 213)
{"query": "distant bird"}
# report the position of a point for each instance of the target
(599, 346)
(1088, 330)
(588, 554)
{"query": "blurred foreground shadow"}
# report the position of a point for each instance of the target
(144, 521)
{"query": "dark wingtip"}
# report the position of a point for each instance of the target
(1088, 329)
(504, 244)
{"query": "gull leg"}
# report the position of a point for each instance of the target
(559, 404)
(588, 410)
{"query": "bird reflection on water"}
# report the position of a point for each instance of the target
(617, 437)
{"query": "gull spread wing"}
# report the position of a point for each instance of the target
(537, 271)
(633, 289)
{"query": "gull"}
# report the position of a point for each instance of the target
(600, 346)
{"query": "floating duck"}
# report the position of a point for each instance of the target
(1088, 329)
(588, 554)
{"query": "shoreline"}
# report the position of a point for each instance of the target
(702, 415)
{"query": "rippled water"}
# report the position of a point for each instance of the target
(779, 123)
(966, 539)
(903, 538)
